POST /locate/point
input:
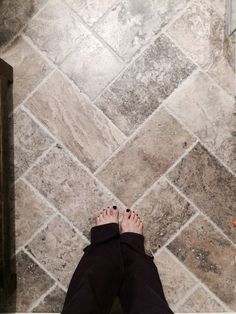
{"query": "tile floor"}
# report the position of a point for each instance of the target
(131, 103)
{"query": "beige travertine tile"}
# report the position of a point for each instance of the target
(90, 10)
(209, 185)
(175, 279)
(145, 84)
(145, 157)
(52, 303)
(29, 68)
(58, 248)
(73, 120)
(131, 24)
(163, 212)
(209, 113)
(30, 213)
(201, 301)
(210, 256)
(91, 66)
(30, 141)
(32, 282)
(56, 30)
(70, 188)
(200, 32)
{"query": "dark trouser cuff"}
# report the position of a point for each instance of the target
(104, 232)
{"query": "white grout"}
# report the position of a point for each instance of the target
(189, 293)
(38, 301)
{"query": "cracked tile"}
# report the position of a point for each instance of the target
(70, 188)
(201, 301)
(200, 32)
(30, 213)
(30, 141)
(134, 23)
(163, 212)
(145, 157)
(58, 248)
(145, 84)
(209, 185)
(83, 129)
(56, 30)
(91, 66)
(52, 303)
(213, 261)
(175, 279)
(29, 68)
(209, 113)
(90, 10)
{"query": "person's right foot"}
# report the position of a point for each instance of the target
(131, 223)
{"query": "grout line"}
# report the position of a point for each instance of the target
(37, 302)
(189, 293)
(139, 200)
(45, 270)
(116, 3)
(57, 212)
(193, 276)
(200, 211)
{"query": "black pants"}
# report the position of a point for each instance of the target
(115, 265)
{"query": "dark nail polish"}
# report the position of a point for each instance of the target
(104, 208)
(114, 207)
(128, 210)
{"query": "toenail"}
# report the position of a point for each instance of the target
(104, 208)
(114, 207)
(128, 210)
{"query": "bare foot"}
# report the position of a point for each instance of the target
(107, 216)
(131, 223)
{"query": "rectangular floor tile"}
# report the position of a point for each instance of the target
(163, 212)
(200, 31)
(175, 279)
(29, 68)
(58, 248)
(210, 256)
(73, 120)
(30, 141)
(30, 213)
(91, 66)
(208, 112)
(55, 30)
(145, 84)
(145, 157)
(209, 185)
(70, 188)
(135, 22)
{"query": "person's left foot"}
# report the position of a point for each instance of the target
(107, 216)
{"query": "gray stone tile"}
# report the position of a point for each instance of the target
(58, 248)
(145, 157)
(29, 68)
(56, 30)
(175, 279)
(145, 84)
(209, 113)
(90, 10)
(134, 23)
(163, 212)
(199, 302)
(70, 188)
(30, 213)
(83, 129)
(210, 256)
(52, 303)
(30, 141)
(32, 282)
(209, 185)
(200, 32)
(91, 66)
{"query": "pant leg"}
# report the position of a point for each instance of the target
(141, 291)
(98, 276)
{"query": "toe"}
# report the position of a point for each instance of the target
(126, 214)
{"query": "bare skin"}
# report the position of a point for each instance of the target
(130, 221)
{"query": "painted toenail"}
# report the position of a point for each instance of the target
(128, 210)
(114, 207)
